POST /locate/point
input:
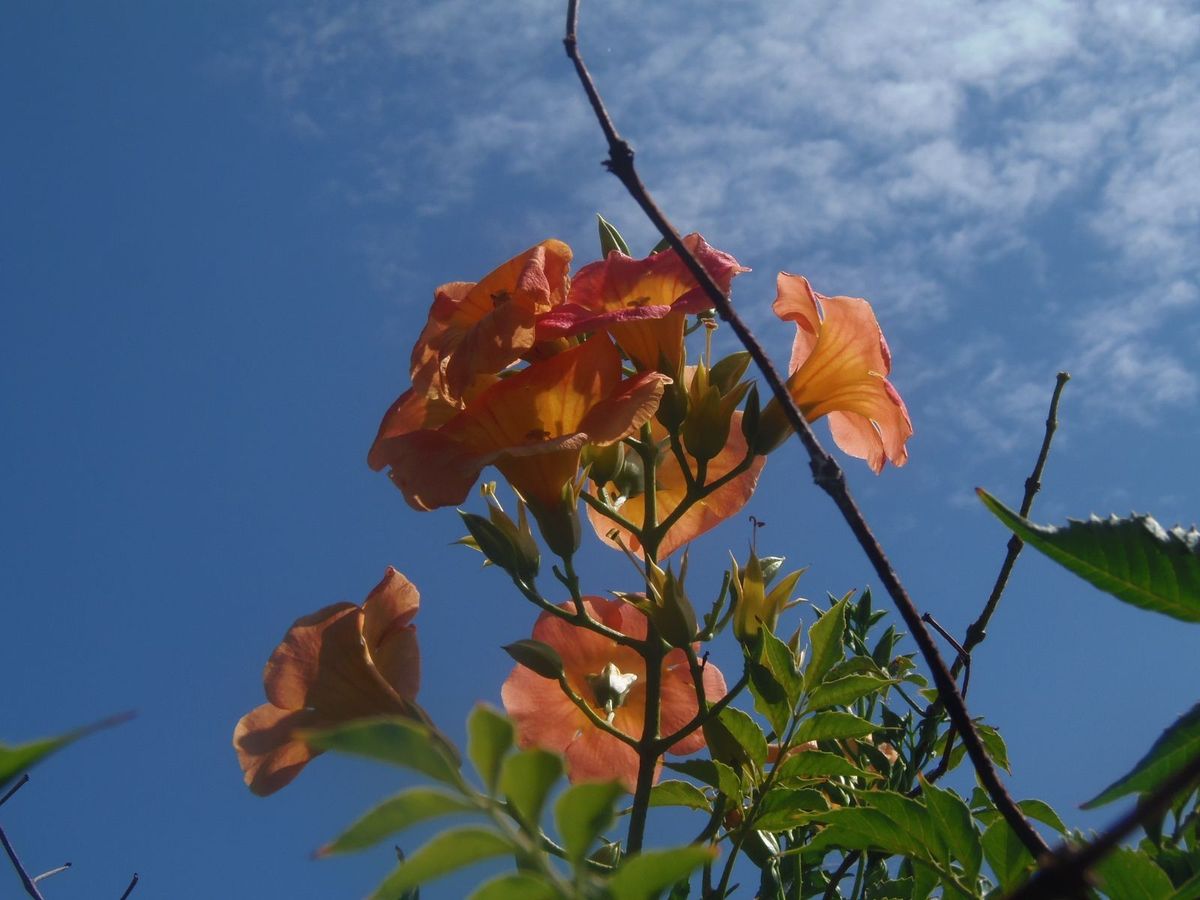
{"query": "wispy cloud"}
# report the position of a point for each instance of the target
(909, 152)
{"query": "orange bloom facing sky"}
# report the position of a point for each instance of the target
(545, 717)
(486, 326)
(642, 302)
(839, 367)
(531, 425)
(341, 663)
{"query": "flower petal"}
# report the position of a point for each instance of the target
(389, 636)
(268, 753)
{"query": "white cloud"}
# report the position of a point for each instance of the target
(895, 151)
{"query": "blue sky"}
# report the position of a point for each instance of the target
(221, 227)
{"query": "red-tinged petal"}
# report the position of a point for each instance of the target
(671, 488)
(413, 411)
(389, 636)
(268, 753)
(570, 319)
(596, 756)
(291, 674)
(484, 327)
(433, 469)
(839, 365)
(626, 410)
(544, 716)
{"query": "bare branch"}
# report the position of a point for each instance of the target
(132, 884)
(21, 782)
(827, 473)
(26, 882)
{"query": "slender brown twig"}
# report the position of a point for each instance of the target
(26, 882)
(1066, 870)
(827, 473)
(978, 629)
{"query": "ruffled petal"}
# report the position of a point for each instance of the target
(268, 753)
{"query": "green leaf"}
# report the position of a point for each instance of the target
(1134, 559)
(644, 875)
(779, 659)
(1189, 890)
(1006, 854)
(828, 726)
(516, 886)
(746, 732)
(395, 814)
(865, 828)
(526, 779)
(679, 793)
(712, 772)
(844, 691)
(394, 740)
(783, 809)
(1127, 874)
(817, 764)
(489, 738)
(610, 239)
(444, 853)
(953, 821)
(825, 645)
(994, 744)
(915, 819)
(583, 812)
(18, 759)
(1041, 811)
(770, 699)
(1173, 749)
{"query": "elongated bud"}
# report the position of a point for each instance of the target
(773, 429)
(537, 657)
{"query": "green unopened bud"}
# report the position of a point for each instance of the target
(726, 373)
(773, 429)
(493, 543)
(559, 523)
(750, 611)
(605, 462)
(610, 239)
(751, 414)
(669, 608)
(673, 407)
(707, 427)
(540, 658)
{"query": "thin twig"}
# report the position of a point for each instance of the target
(26, 882)
(21, 782)
(132, 884)
(64, 867)
(1066, 870)
(827, 473)
(978, 629)
(848, 862)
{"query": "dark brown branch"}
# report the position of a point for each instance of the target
(827, 473)
(21, 782)
(1065, 873)
(843, 870)
(26, 882)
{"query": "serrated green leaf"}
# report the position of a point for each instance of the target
(844, 691)
(516, 886)
(865, 828)
(1134, 559)
(641, 877)
(489, 738)
(1173, 749)
(1006, 854)
(1189, 890)
(915, 819)
(1128, 874)
(1041, 811)
(444, 853)
(401, 742)
(526, 779)
(953, 821)
(744, 732)
(828, 726)
(825, 646)
(712, 772)
(679, 793)
(770, 699)
(395, 814)
(994, 744)
(779, 659)
(784, 809)
(14, 760)
(610, 238)
(818, 764)
(583, 812)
